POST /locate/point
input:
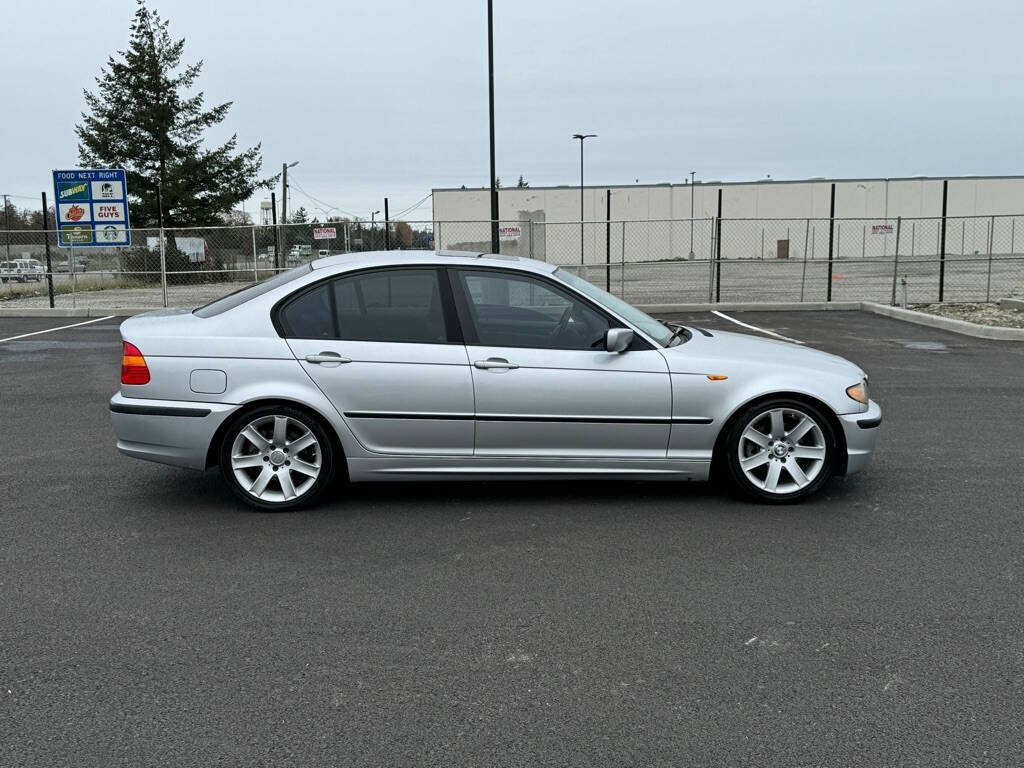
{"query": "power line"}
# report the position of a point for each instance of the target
(413, 207)
(292, 183)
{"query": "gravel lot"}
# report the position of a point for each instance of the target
(146, 618)
(983, 314)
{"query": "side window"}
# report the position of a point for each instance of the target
(309, 315)
(398, 305)
(511, 310)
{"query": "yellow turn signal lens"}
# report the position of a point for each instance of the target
(858, 392)
(716, 377)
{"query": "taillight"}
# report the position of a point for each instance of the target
(133, 366)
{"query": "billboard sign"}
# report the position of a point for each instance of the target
(92, 208)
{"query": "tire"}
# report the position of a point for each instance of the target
(266, 475)
(780, 465)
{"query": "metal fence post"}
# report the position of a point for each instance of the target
(437, 238)
(255, 273)
(531, 238)
(942, 242)
(803, 277)
(49, 263)
(831, 236)
(163, 266)
(991, 237)
(896, 259)
(73, 269)
(622, 271)
(711, 263)
(718, 251)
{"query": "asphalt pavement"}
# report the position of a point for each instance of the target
(147, 618)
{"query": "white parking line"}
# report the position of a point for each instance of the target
(754, 327)
(60, 328)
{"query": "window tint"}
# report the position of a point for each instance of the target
(402, 305)
(309, 316)
(519, 311)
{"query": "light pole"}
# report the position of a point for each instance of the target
(495, 245)
(692, 174)
(582, 137)
(373, 216)
(282, 233)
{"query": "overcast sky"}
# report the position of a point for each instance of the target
(390, 98)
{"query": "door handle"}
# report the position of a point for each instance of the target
(327, 357)
(494, 362)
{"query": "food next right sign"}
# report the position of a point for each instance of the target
(92, 208)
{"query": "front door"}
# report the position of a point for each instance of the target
(545, 386)
(382, 347)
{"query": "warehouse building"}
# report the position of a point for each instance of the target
(761, 219)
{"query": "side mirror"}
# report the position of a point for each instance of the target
(618, 339)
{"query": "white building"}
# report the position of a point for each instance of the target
(652, 222)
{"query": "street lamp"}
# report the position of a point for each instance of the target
(692, 174)
(582, 137)
(372, 227)
(495, 239)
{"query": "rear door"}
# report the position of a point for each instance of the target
(385, 347)
(545, 386)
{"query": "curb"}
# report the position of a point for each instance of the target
(962, 327)
(77, 312)
(752, 306)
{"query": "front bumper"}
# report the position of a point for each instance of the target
(861, 430)
(167, 431)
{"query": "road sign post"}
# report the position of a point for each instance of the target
(92, 209)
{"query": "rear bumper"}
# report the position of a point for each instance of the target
(861, 430)
(166, 431)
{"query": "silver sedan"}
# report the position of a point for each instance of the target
(458, 366)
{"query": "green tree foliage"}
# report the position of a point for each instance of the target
(300, 216)
(145, 119)
(522, 183)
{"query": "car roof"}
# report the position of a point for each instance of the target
(351, 261)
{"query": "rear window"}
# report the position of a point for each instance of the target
(250, 292)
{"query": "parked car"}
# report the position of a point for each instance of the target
(33, 269)
(80, 265)
(12, 271)
(461, 366)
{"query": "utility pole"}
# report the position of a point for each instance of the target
(582, 137)
(490, 94)
(283, 233)
(692, 174)
(7, 225)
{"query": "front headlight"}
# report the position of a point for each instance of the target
(859, 392)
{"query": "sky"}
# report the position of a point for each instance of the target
(390, 99)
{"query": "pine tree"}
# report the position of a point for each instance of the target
(522, 183)
(144, 119)
(300, 216)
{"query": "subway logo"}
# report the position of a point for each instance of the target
(68, 191)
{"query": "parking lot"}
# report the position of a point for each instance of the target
(146, 617)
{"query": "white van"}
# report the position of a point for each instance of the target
(33, 269)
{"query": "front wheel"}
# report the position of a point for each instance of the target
(277, 458)
(780, 451)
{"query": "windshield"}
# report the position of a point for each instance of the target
(627, 312)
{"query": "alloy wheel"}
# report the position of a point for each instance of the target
(276, 458)
(782, 450)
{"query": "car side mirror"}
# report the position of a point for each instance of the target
(618, 339)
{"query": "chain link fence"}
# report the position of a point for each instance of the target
(645, 262)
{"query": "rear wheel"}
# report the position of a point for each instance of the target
(780, 451)
(277, 458)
